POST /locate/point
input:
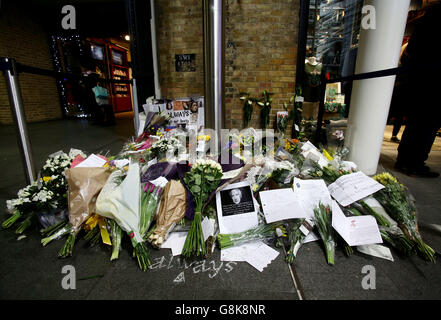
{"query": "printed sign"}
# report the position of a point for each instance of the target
(185, 62)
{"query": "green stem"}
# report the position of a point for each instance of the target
(142, 256)
(116, 239)
(11, 220)
(53, 228)
(25, 224)
(194, 243)
(66, 250)
(330, 251)
(380, 219)
(55, 235)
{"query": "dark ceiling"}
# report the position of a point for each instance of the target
(94, 18)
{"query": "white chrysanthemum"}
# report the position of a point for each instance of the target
(23, 193)
(10, 205)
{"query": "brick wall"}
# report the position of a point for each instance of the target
(23, 39)
(261, 54)
(180, 31)
(260, 51)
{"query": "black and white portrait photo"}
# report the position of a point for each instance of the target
(237, 201)
(236, 209)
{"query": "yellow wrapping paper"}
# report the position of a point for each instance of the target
(171, 210)
(95, 220)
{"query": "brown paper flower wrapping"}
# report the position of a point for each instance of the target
(85, 185)
(172, 210)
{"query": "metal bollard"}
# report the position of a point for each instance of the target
(135, 106)
(16, 103)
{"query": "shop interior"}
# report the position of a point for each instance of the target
(331, 52)
(99, 49)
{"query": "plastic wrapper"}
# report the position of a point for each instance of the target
(121, 201)
(150, 197)
(171, 211)
(85, 185)
(53, 217)
(261, 232)
(167, 170)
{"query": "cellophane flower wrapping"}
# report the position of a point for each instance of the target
(323, 221)
(261, 232)
(120, 201)
(171, 211)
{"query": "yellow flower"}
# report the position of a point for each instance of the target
(204, 137)
(46, 179)
(385, 178)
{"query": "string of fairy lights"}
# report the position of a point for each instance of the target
(74, 41)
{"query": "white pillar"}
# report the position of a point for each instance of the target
(378, 49)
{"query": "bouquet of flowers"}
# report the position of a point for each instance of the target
(120, 201)
(265, 102)
(49, 194)
(171, 211)
(149, 203)
(390, 233)
(247, 107)
(261, 232)
(164, 147)
(85, 185)
(398, 205)
(282, 120)
(323, 220)
(329, 173)
(298, 232)
(202, 180)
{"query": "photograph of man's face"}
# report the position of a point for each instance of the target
(236, 200)
(236, 195)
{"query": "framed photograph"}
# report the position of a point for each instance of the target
(97, 52)
(117, 57)
(236, 208)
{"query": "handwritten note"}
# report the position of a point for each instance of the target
(353, 187)
(256, 253)
(310, 193)
(281, 204)
(356, 231)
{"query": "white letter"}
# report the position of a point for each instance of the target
(68, 21)
(69, 280)
(368, 281)
(369, 20)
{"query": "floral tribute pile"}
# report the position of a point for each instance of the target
(154, 187)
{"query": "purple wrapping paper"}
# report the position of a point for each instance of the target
(178, 170)
(161, 169)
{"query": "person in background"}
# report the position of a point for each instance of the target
(102, 99)
(399, 102)
(424, 112)
(88, 101)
